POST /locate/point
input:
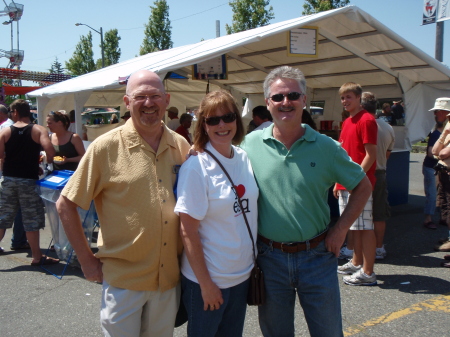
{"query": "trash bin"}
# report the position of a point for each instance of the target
(50, 190)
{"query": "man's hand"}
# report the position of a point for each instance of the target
(212, 296)
(334, 240)
(192, 152)
(92, 269)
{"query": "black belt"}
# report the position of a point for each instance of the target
(294, 247)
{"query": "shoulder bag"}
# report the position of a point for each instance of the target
(256, 290)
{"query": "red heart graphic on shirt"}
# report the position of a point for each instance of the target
(240, 190)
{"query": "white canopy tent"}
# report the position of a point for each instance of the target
(352, 46)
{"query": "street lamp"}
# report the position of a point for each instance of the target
(101, 40)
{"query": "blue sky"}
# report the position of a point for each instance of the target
(47, 28)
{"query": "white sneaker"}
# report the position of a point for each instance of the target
(381, 253)
(345, 253)
(348, 269)
(360, 279)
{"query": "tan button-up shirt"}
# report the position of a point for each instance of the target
(132, 187)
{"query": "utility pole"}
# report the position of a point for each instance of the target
(439, 49)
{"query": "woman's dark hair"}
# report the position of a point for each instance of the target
(211, 103)
(58, 116)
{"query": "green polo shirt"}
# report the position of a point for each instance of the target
(293, 184)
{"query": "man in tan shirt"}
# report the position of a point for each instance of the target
(129, 173)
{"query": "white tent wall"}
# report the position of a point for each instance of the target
(420, 121)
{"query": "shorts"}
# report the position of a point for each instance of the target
(364, 220)
(23, 193)
(381, 208)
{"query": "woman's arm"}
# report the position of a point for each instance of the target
(211, 294)
(442, 141)
(79, 146)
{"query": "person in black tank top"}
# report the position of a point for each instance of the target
(20, 147)
(67, 145)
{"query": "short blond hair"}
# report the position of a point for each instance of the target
(351, 87)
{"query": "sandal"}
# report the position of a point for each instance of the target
(430, 225)
(45, 260)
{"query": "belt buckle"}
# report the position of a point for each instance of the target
(286, 244)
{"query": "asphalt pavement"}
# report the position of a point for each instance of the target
(412, 297)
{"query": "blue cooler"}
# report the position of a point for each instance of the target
(50, 190)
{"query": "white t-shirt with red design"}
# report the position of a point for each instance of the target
(205, 193)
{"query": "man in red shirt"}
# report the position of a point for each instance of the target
(359, 139)
(185, 124)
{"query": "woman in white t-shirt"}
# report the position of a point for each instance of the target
(217, 257)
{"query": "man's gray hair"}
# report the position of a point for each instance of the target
(3, 109)
(369, 102)
(284, 72)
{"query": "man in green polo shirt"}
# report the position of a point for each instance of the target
(294, 167)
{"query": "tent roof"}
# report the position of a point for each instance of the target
(352, 46)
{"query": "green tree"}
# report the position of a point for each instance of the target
(111, 48)
(56, 67)
(316, 6)
(82, 60)
(158, 35)
(248, 14)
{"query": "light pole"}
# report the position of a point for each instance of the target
(101, 40)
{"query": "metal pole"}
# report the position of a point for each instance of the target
(217, 28)
(439, 50)
(102, 46)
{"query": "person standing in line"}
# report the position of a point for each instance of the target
(385, 145)
(130, 173)
(441, 150)
(20, 147)
(67, 144)
(296, 250)
(429, 174)
(359, 139)
(19, 237)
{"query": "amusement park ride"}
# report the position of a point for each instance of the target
(14, 12)
(16, 56)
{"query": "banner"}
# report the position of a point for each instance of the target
(443, 10)
(429, 11)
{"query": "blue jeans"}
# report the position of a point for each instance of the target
(429, 185)
(19, 237)
(312, 275)
(224, 322)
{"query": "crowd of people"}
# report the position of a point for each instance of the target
(178, 214)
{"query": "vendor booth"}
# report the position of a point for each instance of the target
(331, 48)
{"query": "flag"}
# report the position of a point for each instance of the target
(443, 12)
(429, 11)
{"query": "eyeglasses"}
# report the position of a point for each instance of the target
(228, 118)
(142, 98)
(292, 96)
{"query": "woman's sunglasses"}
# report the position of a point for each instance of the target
(228, 118)
(292, 96)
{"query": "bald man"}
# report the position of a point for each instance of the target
(129, 173)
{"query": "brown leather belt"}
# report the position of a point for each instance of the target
(294, 247)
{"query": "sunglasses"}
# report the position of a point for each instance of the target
(228, 118)
(292, 96)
